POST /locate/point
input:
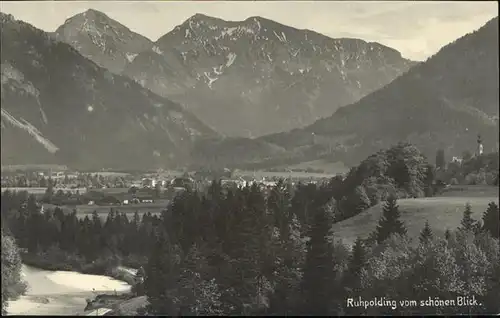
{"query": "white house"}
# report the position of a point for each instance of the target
(457, 160)
(148, 182)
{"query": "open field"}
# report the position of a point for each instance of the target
(129, 210)
(443, 212)
(328, 167)
(60, 292)
(166, 174)
(40, 191)
(109, 173)
(36, 167)
(471, 191)
(270, 174)
(111, 191)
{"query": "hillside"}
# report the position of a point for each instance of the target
(59, 107)
(103, 40)
(443, 212)
(443, 102)
(255, 77)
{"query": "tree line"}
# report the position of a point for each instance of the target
(470, 170)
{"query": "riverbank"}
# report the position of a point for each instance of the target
(57, 260)
(61, 292)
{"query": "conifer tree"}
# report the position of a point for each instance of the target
(357, 262)
(160, 276)
(390, 223)
(290, 254)
(491, 220)
(447, 234)
(359, 200)
(318, 276)
(426, 234)
(197, 294)
(468, 223)
(249, 235)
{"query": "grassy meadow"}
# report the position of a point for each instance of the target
(327, 166)
(278, 174)
(33, 167)
(83, 210)
(41, 191)
(443, 212)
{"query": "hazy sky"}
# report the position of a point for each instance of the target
(416, 29)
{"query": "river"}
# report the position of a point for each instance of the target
(60, 292)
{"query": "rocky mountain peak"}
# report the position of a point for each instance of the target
(258, 66)
(201, 27)
(102, 39)
(266, 76)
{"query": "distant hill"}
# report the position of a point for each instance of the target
(443, 102)
(59, 107)
(247, 78)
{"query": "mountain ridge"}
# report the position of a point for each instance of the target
(257, 76)
(443, 102)
(59, 107)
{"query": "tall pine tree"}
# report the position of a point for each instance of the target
(447, 234)
(491, 220)
(357, 261)
(319, 274)
(160, 276)
(426, 234)
(468, 224)
(390, 223)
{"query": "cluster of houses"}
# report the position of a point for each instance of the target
(179, 184)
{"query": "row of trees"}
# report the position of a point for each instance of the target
(57, 240)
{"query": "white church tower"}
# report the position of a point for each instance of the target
(479, 150)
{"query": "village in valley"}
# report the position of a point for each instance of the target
(99, 191)
(153, 191)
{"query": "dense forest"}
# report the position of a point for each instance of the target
(247, 251)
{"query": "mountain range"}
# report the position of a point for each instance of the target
(442, 103)
(59, 107)
(244, 79)
(95, 94)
